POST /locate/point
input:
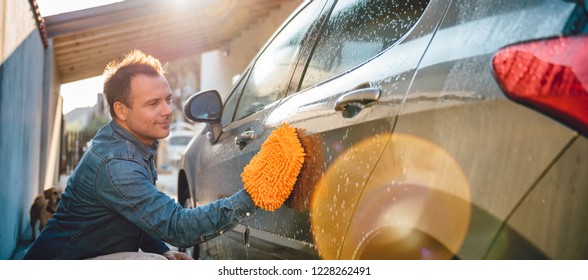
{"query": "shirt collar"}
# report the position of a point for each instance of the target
(147, 151)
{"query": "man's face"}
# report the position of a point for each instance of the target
(149, 115)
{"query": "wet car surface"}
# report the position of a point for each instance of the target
(417, 147)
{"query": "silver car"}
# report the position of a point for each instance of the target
(432, 129)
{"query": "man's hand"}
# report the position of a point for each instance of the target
(170, 255)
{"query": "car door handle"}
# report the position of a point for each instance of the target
(354, 101)
(244, 138)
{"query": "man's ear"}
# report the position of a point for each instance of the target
(120, 110)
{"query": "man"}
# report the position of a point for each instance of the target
(111, 207)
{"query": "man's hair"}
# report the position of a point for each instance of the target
(118, 75)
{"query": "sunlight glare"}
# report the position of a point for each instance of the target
(54, 7)
(82, 93)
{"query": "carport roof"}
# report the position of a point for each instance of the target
(85, 41)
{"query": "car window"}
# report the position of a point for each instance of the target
(231, 104)
(357, 31)
(268, 75)
(179, 140)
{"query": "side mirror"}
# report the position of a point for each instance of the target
(206, 106)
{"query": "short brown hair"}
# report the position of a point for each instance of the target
(118, 75)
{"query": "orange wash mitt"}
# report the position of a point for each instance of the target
(271, 174)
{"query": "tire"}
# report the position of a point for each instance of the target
(193, 251)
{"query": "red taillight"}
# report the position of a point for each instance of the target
(550, 76)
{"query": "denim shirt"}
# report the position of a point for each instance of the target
(111, 204)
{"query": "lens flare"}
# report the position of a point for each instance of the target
(415, 205)
(219, 8)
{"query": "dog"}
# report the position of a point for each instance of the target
(44, 207)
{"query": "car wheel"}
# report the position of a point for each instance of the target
(194, 251)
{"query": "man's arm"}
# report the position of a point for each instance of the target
(126, 188)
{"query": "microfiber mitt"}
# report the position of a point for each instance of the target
(271, 174)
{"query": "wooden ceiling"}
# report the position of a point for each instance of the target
(85, 41)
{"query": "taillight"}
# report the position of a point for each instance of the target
(550, 76)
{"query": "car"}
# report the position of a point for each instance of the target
(175, 143)
(432, 130)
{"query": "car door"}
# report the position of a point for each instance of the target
(499, 149)
(221, 163)
(344, 104)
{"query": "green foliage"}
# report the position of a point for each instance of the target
(95, 124)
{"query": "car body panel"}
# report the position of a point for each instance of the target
(224, 171)
(455, 103)
(551, 218)
(326, 133)
(484, 151)
(221, 166)
(438, 164)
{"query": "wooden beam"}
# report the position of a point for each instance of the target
(165, 40)
(85, 44)
(157, 51)
(149, 19)
(115, 13)
(101, 62)
(207, 31)
(96, 68)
